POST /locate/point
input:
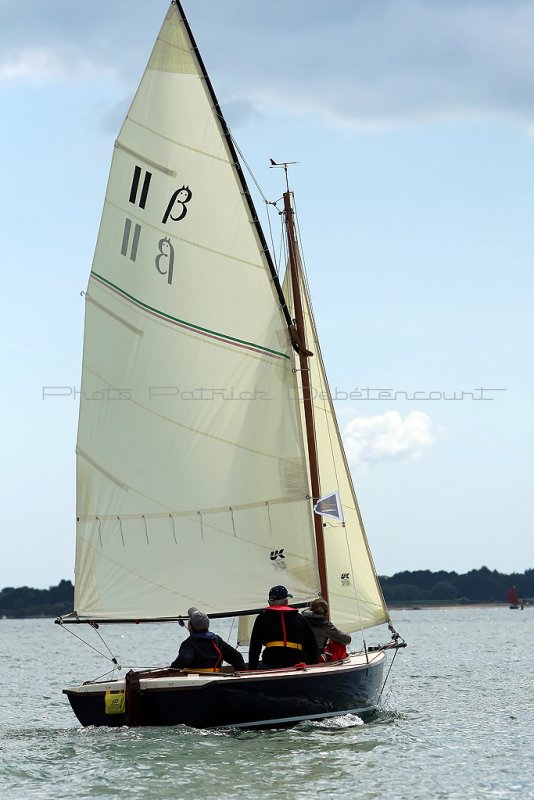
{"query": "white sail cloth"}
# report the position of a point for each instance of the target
(192, 471)
(191, 476)
(354, 593)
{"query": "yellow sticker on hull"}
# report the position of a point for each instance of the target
(115, 701)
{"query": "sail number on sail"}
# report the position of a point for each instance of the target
(175, 211)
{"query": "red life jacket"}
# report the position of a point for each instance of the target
(334, 651)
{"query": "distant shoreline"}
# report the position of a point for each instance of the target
(405, 591)
(391, 607)
(445, 606)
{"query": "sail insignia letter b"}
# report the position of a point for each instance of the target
(165, 258)
(177, 203)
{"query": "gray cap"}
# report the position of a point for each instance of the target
(199, 621)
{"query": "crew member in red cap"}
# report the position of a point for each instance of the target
(285, 634)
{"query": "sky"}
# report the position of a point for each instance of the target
(412, 122)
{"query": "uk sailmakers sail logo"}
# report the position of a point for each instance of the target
(175, 210)
(278, 558)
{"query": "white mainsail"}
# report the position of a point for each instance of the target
(191, 469)
(354, 594)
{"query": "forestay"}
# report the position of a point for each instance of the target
(192, 486)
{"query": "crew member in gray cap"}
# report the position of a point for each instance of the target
(204, 651)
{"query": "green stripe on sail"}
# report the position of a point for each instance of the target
(191, 325)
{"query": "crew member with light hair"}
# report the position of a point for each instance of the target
(330, 640)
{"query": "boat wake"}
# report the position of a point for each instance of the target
(333, 723)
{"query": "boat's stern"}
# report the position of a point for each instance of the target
(99, 703)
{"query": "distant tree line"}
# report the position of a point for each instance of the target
(421, 587)
(476, 586)
(26, 602)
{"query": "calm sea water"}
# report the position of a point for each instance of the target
(457, 721)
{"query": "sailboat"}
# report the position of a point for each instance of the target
(514, 599)
(209, 460)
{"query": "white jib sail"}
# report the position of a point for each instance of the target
(355, 597)
(191, 476)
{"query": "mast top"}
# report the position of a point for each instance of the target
(283, 165)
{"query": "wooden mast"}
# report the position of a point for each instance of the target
(304, 355)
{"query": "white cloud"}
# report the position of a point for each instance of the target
(365, 65)
(41, 65)
(388, 437)
(29, 66)
(61, 40)
(373, 64)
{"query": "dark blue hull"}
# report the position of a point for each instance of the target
(262, 699)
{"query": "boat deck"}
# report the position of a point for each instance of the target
(169, 679)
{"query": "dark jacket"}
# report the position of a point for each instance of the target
(206, 650)
(324, 630)
(295, 642)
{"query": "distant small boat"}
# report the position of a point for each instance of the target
(514, 599)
